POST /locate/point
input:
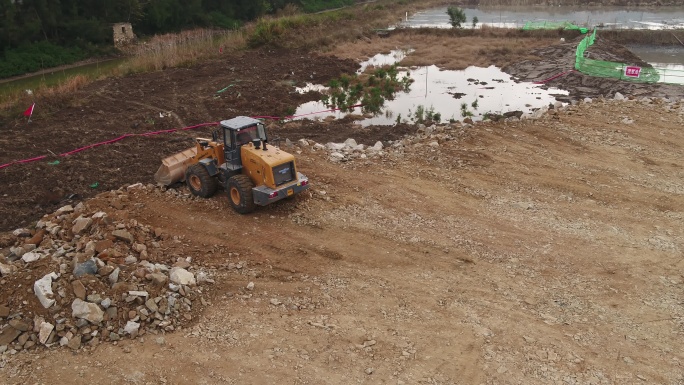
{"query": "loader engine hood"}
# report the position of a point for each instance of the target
(272, 167)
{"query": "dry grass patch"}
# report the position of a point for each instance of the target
(21, 99)
(185, 48)
(447, 51)
(66, 87)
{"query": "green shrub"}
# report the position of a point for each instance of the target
(37, 56)
(457, 16)
(381, 85)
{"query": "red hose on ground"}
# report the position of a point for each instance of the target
(108, 142)
(124, 136)
(554, 77)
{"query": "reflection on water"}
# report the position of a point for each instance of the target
(668, 60)
(516, 17)
(482, 90)
(381, 59)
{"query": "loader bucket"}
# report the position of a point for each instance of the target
(173, 168)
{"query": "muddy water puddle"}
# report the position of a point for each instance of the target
(443, 94)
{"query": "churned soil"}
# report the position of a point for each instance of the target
(542, 251)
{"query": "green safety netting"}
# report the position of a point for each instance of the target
(553, 25)
(622, 71)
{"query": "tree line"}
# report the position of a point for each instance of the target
(62, 31)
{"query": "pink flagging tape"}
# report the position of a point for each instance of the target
(151, 133)
(23, 161)
(108, 142)
(554, 77)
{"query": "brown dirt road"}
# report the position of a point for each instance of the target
(536, 252)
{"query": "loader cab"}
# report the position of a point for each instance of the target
(238, 132)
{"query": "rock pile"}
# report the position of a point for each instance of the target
(81, 277)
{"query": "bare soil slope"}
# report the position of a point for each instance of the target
(533, 252)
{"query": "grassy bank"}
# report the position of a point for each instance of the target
(35, 57)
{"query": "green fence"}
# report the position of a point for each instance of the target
(530, 25)
(622, 71)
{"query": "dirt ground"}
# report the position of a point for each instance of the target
(535, 252)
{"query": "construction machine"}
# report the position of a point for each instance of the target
(239, 158)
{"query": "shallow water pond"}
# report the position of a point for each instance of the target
(516, 17)
(451, 95)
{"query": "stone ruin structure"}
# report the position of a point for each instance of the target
(123, 34)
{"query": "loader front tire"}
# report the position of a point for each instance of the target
(200, 182)
(240, 194)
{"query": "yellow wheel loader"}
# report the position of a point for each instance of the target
(238, 158)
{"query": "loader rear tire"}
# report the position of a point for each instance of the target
(200, 182)
(240, 194)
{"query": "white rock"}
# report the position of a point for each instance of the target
(6, 269)
(114, 276)
(250, 286)
(21, 233)
(336, 156)
(134, 186)
(18, 251)
(434, 143)
(87, 311)
(45, 331)
(202, 277)
(81, 224)
(139, 247)
(181, 276)
(303, 142)
(64, 210)
(335, 146)
(351, 143)
(588, 100)
(31, 257)
(99, 214)
(90, 251)
(318, 146)
(138, 293)
(43, 289)
(106, 303)
(377, 146)
(619, 96)
(131, 327)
